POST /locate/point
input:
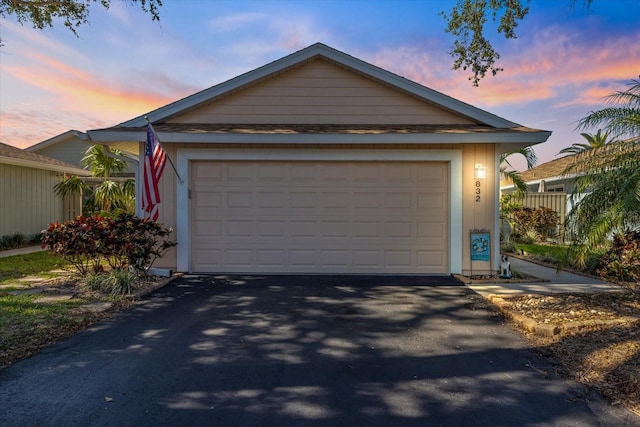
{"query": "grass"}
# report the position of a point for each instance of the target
(548, 252)
(29, 323)
(37, 263)
(27, 326)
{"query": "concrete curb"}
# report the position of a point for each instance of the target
(468, 281)
(552, 266)
(548, 329)
(154, 287)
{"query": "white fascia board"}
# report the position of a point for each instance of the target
(348, 61)
(518, 139)
(43, 166)
(186, 155)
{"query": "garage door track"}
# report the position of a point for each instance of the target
(298, 351)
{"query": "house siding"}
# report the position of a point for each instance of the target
(479, 214)
(28, 200)
(320, 92)
(72, 151)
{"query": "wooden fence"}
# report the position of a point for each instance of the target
(553, 200)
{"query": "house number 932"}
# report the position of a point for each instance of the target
(477, 191)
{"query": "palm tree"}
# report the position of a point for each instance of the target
(107, 195)
(596, 140)
(513, 175)
(608, 182)
(100, 161)
(71, 185)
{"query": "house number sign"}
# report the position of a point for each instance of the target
(478, 191)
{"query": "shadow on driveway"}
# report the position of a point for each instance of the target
(295, 351)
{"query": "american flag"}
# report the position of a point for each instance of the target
(154, 161)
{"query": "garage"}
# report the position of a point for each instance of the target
(321, 163)
(319, 217)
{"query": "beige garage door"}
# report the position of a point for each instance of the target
(319, 217)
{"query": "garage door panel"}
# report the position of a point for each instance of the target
(303, 229)
(431, 230)
(302, 258)
(239, 172)
(271, 228)
(323, 217)
(207, 228)
(334, 258)
(398, 258)
(430, 259)
(397, 173)
(398, 200)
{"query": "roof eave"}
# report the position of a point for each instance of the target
(506, 140)
(43, 166)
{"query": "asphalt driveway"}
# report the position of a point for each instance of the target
(297, 351)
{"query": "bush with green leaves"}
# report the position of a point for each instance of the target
(13, 241)
(124, 242)
(114, 282)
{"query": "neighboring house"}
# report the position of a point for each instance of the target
(546, 177)
(322, 163)
(547, 186)
(70, 147)
(26, 191)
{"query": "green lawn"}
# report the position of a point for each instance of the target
(549, 252)
(37, 263)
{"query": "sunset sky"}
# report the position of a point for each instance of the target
(122, 65)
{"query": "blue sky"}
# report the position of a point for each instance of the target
(563, 63)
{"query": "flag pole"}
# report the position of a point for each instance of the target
(160, 142)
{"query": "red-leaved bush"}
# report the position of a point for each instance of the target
(122, 242)
(621, 263)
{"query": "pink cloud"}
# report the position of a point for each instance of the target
(551, 66)
(77, 91)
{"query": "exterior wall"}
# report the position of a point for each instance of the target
(475, 215)
(479, 211)
(28, 200)
(320, 92)
(69, 151)
(72, 150)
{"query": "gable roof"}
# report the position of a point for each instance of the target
(552, 169)
(57, 139)
(490, 127)
(333, 55)
(11, 155)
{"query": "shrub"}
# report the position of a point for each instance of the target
(508, 247)
(545, 222)
(123, 242)
(535, 224)
(13, 241)
(114, 282)
(95, 282)
(120, 282)
(621, 262)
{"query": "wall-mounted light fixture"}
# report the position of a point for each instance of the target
(481, 171)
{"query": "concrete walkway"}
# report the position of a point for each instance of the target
(20, 251)
(554, 282)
